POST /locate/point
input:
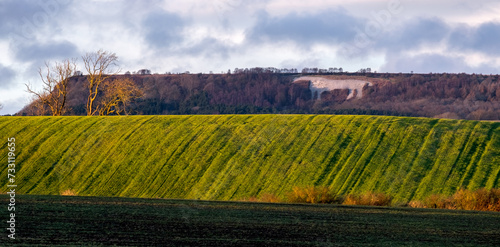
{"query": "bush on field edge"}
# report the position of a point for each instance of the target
(321, 194)
(369, 199)
(463, 199)
(68, 192)
(312, 194)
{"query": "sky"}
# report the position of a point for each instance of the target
(422, 36)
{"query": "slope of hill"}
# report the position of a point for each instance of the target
(229, 157)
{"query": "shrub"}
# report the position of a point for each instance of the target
(369, 199)
(68, 192)
(438, 201)
(496, 195)
(298, 195)
(250, 199)
(482, 199)
(313, 194)
(416, 204)
(463, 199)
(268, 197)
(489, 201)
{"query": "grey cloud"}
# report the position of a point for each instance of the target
(6, 77)
(404, 37)
(328, 26)
(483, 38)
(13, 12)
(209, 48)
(23, 18)
(37, 52)
(163, 29)
(427, 63)
(414, 33)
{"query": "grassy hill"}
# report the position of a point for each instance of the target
(229, 157)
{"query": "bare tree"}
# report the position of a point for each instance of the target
(99, 66)
(55, 81)
(117, 94)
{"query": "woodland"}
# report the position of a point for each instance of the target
(453, 96)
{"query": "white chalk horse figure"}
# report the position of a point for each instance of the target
(320, 84)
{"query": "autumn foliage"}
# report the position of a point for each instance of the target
(480, 200)
(369, 199)
(312, 194)
(463, 199)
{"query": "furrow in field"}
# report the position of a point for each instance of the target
(106, 156)
(372, 139)
(353, 135)
(47, 139)
(480, 148)
(359, 145)
(382, 149)
(423, 160)
(330, 145)
(443, 158)
(487, 170)
(65, 159)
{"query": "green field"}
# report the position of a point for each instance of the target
(84, 221)
(231, 157)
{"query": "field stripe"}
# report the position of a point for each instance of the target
(491, 157)
(467, 179)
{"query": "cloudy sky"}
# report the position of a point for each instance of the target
(201, 36)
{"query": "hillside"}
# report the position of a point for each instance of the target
(230, 157)
(455, 96)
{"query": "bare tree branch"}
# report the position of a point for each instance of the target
(55, 80)
(99, 66)
(117, 94)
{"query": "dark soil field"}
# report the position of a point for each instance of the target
(97, 221)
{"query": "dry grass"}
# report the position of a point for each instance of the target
(312, 194)
(416, 204)
(438, 201)
(268, 197)
(68, 192)
(369, 199)
(480, 200)
(250, 199)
